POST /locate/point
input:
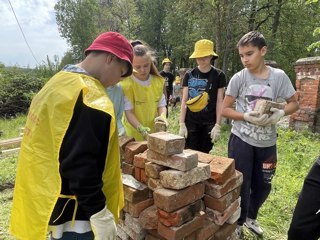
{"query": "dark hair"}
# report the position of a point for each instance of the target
(136, 42)
(254, 38)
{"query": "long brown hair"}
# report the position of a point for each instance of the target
(141, 50)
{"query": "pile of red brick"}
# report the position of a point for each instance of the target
(172, 193)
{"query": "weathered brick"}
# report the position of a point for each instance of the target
(154, 184)
(171, 200)
(234, 217)
(153, 170)
(148, 218)
(203, 157)
(132, 234)
(166, 143)
(222, 169)
(152, 234)
(175, 179)
(121, 233)
(160, 127)
(133, 148)
(123, 141)
(134, 209)
(220, 204)
(218, 191)
(177, 233)
(137, 173)
(140, 159)
(143, 176)
(220, 218)
(134, 191)
(181, 216)
(182, 161)
(127, 168)
(133, 223)
(208, 230)
(225, 232)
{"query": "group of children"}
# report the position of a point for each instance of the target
(140, 100)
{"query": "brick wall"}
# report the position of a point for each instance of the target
(308, 89)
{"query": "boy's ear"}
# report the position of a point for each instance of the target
(263, 50)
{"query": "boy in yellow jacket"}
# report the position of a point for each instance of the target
(68, 176)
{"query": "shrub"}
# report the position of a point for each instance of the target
(16, 92)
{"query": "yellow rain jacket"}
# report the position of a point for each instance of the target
(145, 100)
(38, 182)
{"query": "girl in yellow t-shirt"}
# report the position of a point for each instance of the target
(145, 102)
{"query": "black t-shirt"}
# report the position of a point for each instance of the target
(197, 81)
(169, 78)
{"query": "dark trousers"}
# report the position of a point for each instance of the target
(258, 166)
(199, 137)
(305, 224)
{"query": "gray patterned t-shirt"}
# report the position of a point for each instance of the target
(246, 88)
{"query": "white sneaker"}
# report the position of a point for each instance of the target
(238, 232)
(253, 225)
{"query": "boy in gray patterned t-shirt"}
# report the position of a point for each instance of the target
(252, 142)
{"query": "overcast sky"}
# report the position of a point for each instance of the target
(37, 20)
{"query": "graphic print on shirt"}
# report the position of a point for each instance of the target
(253, 93)
(196, 86)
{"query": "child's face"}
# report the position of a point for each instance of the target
(142, 64)
(204, 61)
(251, 56)
(166, 67)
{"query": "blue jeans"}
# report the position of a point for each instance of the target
(75, 236)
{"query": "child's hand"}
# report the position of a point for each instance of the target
(143, 130)
(162, 118)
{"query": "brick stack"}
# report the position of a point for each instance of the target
(221, 198)
(175, 194)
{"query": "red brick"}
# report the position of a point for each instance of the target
(225, 231)
(148, 218)
(123, 141)
(143, 177)
(171, 200)
(203, 157)
(222, 169)
(208, 230)
(218, 191)
(181, 216)
(177, 233)
(134, 209)
(127, 168)
(135, 195)
(153, 235)
(132, 149)
(140, 159)
(153, 184)
(220, 204)
(137, 173)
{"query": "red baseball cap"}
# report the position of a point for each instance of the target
(116, 44)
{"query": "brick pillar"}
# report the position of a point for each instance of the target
(308, 89)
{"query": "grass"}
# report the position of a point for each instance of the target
(296, 154)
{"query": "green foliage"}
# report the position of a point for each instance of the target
(16, 92)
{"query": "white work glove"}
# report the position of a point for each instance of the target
(215, 133)
(144, 131)
(183, 131)
(252, 117)
(121, 132)
(103, 225)
(276, 115)
(162, 118)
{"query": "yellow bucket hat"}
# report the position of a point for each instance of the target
(203, 48)
(166, 60)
